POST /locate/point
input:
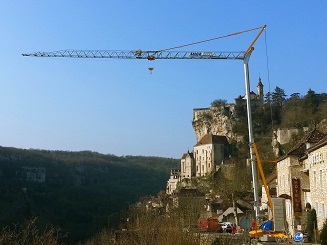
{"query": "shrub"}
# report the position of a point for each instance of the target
(312, 224)
(323, 234)
(29, 234)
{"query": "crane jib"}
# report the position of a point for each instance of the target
(150, 55)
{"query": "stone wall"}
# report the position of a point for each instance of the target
(318, 183)
(285, 135)
(229, 171)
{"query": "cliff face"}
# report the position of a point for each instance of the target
(220, 117)
(215, 120)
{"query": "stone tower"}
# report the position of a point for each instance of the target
(260, 93)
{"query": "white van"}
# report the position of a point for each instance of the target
(225, 224)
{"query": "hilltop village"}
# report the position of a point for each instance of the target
(300, 176)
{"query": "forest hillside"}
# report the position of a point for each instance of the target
(76, 191)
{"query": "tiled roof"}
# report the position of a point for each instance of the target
(189, 192)
(212, 139)
(312, 137)
(285, 196)
(321, 143)
(271, 177)
(187, 154)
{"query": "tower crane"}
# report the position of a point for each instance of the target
(169, 54)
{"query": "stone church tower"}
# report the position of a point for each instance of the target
(260, 93)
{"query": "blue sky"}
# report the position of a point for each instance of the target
(115, 106)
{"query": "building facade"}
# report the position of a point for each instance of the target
(298, 177)
(175, 177)
(257, 99)
(316, 164)
(187, 166)
(271, 184)
(209, 153)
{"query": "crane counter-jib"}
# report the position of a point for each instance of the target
(138, 54)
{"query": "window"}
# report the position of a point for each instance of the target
(289, 207)
(323, 211)
(314, 179)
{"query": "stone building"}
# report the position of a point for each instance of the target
(315, 166)
(294, 180)
(257, 99)
(187, 166)
(271, 184)
(213, 128)
(175, 177)
(209, 153)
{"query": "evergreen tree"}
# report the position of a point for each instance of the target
(278, 97)
(311, 101)
(268, 98)
(323, 234)
(294, 96)
(218, 103)
(312, 224)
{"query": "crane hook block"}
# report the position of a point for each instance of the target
(151, 57)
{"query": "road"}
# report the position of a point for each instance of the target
(275, 243)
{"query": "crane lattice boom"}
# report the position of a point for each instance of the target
(140, 54)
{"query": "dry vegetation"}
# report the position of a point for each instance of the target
(29, 234)
(145, 228)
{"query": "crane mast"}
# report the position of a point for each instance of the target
(167, 54)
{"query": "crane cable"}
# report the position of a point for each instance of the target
(211, 39)
(268, 77)
(152, 57)
(270, 104)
